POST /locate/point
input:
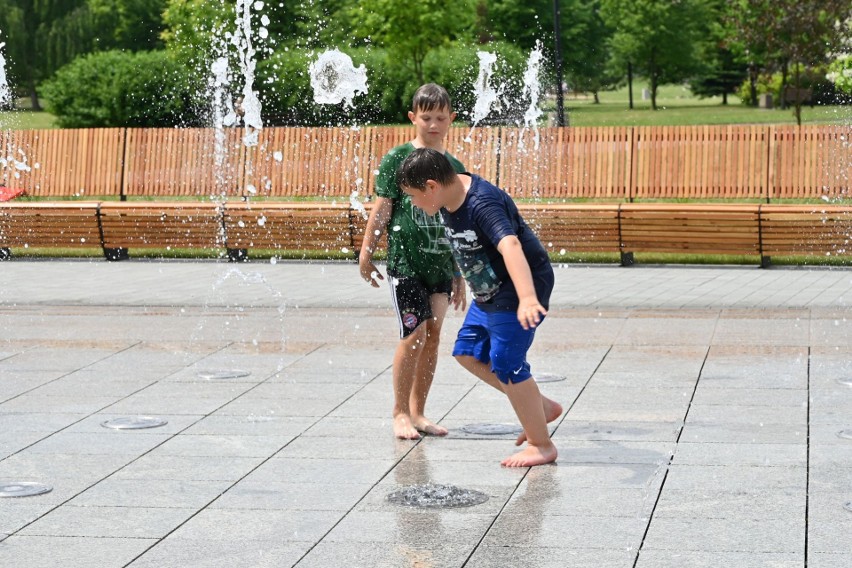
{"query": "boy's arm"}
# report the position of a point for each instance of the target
(529, 308)
(376, 225)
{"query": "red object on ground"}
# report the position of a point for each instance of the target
(9, 193)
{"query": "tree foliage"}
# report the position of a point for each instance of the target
(660, 39)
(409, 33)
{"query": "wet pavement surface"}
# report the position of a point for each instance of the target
(704, 426)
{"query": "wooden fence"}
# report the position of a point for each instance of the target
(595, 163)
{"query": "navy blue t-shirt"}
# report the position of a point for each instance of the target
(488, 215)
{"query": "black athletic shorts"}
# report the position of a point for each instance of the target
(411, 300)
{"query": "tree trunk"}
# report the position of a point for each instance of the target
(798, 98)
(782, 94)
(752, 83)
(724, 99)
(653, 86)
(630, 84)
(34, 98)
(597, 98)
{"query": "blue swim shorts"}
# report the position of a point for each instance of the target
(496, 338)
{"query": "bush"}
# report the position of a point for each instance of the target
(457, 68)
(824, 91)
(840, 73)
(116, 88)
(288, 98)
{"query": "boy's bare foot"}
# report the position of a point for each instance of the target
(552, 411)
(530, 456)
(426, 426)
(404, 429)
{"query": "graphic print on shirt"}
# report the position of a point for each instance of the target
(474, 264)
(432, 226)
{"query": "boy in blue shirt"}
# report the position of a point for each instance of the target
(511, 278)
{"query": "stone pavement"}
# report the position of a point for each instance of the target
(703, 412)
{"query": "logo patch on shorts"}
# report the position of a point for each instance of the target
(409, 320)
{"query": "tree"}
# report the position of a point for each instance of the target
(659, 38)
(585, 37)
(780, 34)
(44, 35)
(811, 30)
(723, 75)
(409, 32)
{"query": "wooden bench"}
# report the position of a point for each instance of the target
(574, 227)
(687, 228)
(163, 225)
(287, 226)
(811, 230)
(71, 224)
(748, 229)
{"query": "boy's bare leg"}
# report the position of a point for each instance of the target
(526, 400)
(405, 368)
(426, 364)
(552, 409)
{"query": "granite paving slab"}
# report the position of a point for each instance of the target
(702, 407)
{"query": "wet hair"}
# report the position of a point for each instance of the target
(431, 97)
(424, 164)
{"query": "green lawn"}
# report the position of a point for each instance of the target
(26, 120)
(677, 106)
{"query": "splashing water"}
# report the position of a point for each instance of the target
(11, 156)
(5, 93)
(532, 89)
(223, 115)
(432, 496)
(487, 98)
(335, 79)
(356, 204)
(249, 283)
(251, 106)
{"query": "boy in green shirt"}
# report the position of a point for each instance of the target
(422, 275)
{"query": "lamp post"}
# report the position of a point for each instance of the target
(560, 107)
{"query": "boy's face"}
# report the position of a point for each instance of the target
(428, 199)
(432, 125)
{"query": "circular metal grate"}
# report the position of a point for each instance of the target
(226, 374)
(492, 429)
(432, 496)
(548, 378)
(134, 423)
(23, 489)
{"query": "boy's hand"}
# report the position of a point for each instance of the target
(369, 272)
(459, 294)
(530, 312)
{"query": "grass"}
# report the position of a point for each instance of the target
(273, 255)
(24, 118)
(677, 106)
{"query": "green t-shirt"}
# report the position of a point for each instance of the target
(417, 244)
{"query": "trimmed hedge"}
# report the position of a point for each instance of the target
(151, 89)
(117, 88)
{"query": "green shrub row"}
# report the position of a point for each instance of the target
(152, 89)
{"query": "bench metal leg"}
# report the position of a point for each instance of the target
(237, 255)
(5, 253)
(116, 253)
(627, 259)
